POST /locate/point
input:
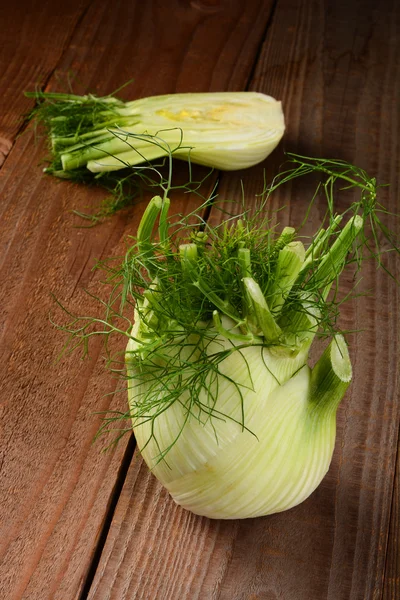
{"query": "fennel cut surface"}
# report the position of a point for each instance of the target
(226, 411)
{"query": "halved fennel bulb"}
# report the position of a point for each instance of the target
(223, 130)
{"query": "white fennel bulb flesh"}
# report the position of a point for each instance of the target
(215, 467)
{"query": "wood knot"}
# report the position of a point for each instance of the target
(206, 6)
(5, 147)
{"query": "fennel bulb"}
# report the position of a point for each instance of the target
(215, 467)
(225, 130)
(226, 411)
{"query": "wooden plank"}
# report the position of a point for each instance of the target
(354, 116)
(55, 485)
(336, 68)
(167, 41)
(33, 37)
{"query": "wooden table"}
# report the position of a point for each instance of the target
(80, 523)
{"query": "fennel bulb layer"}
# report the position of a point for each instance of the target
(216, 467)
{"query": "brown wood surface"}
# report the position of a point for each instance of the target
(392, 572)
(64, 519)
(57, 489)
(339, 85)
(33, 37)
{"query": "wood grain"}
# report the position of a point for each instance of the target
(335, 65)
(204, 45)
(55, 486)
(391, 588)
(33, 37)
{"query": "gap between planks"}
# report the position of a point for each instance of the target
(108, 518)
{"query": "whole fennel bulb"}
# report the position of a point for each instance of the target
(226, 411)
